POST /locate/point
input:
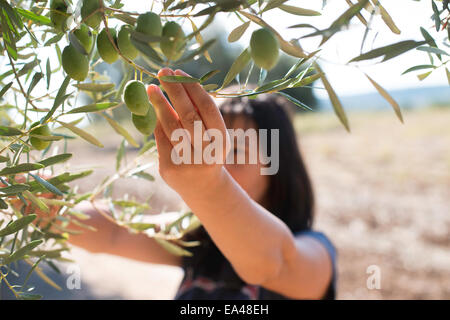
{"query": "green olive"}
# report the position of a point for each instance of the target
(85, 37)
(145, 124)
(59, 14)
(75, 64)
(105, 47)
(136, 98)
(87, 13)
(37, 143)
(125, 45)
(150, 24)
(173, 41)
(264, 48)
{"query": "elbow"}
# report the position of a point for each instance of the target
(269, 270)
(262, 272)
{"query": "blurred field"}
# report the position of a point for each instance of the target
(383, 197)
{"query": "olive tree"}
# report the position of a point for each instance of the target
(49, 53)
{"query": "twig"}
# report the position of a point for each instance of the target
(103, 213)
(3, 277)
(18, 81)
(136, 14)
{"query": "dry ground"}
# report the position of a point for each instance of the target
(383, 197)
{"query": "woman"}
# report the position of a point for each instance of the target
(256, 235)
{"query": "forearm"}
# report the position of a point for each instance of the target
(98, 240)
(113, 239)
(250, 237)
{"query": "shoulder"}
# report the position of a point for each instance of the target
(321, 238)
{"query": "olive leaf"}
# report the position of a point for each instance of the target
(36, 201)
(20, 253)
(147, 146)
(76, 43)
(140, 226)
(237, 33)
(294, 101)
(299, 11)
(59, 99)
(173, 248)
(5, 89)
(419, 67)
(120, 130)
(17, 225)
(145, 48)
(387, 18)
(388, 98)
(95, 107)
(81, 133)
(144, 175)
(202, 49)
(180, 79)
(337, 105)
(241, 61)
(94, 87)
(42, 20)
(9, 131)
(200, 40)
(340, 22)
(47, 185)
(14, 189)
(20, 168)
(208, 75)
(390, 51)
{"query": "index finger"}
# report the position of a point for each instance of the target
(204, 103)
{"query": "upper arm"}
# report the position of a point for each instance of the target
(306, 272)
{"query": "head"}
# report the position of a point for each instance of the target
(288, 193)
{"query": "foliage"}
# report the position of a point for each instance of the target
(49, 59)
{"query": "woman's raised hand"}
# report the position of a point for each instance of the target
(190, 134)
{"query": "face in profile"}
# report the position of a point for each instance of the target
(247, 175)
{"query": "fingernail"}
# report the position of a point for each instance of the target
(150, 88)
(165, 71)
(181, 72)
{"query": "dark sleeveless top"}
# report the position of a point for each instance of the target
(209, 275)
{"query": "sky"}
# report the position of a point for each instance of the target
(350, 79)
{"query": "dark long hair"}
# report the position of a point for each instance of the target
(289, 195)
